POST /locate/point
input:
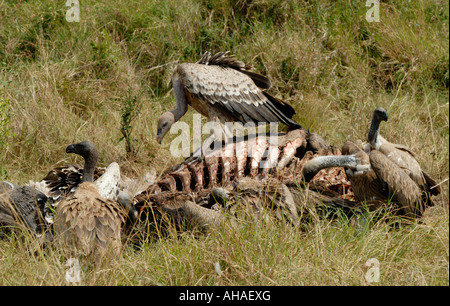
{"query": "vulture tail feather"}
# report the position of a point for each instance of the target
(283, 111)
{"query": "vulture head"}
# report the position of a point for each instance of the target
(164, 123)
(84, 148)
(88, 151)
(379, 115)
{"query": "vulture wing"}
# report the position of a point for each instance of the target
(227, 61)
(223, 83)
(404, 189)
(61, 181)
(404, 158)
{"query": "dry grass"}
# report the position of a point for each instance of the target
(64, 82)
(256, 252)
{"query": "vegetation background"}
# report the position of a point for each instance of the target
(106, 78)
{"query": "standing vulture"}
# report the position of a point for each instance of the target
(387, 155)
(383, 172)
(63, 181)
(85, 219)
(223, 89)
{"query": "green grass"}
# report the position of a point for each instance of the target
(64, 82)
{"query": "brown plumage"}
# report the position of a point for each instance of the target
(384, 172)
(374, 179)
(85, 219)
(89, 221)
(223, 89)
(61, 181)
(414, 189)
(366, 185)
(400, 155)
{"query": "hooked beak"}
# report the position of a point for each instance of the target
(70, 149)
(158, 137)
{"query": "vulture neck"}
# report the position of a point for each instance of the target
(372, 137)
(180, 97)
(90, 161)
(313, 166)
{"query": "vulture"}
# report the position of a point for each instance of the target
(417, 186)
(382, 172)
(23, 206)
(223, 89)
(85, 219)
(63, 181)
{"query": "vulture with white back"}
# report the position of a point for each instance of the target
(62, 181)
(223, 89)
(59, 182)
(383, 171)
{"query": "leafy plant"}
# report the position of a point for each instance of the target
(129, 109)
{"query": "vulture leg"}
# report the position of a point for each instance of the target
(220, 135)
(204, 149)
(196, 154)
(210, 141)
(227, 133)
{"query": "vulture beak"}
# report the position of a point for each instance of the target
(70, 149)
(158, 136)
